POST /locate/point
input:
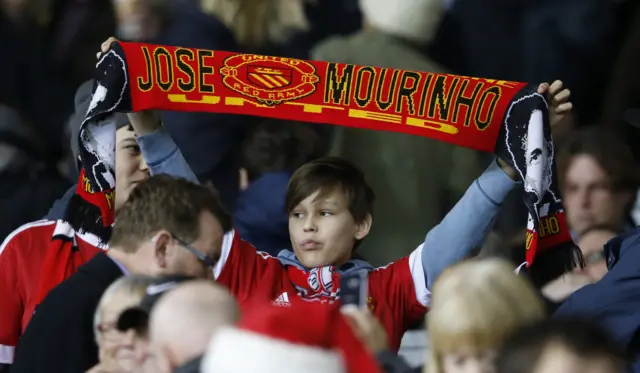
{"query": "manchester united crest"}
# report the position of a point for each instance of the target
(269, 80)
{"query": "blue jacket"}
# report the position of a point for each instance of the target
(614, 301)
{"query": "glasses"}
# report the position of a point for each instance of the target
(206, 259)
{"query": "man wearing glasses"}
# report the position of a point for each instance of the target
(168, 226)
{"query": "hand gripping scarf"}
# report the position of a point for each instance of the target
(509, 119)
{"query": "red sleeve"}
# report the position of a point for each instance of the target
(403, 284)
(241, 267)
(10, 291)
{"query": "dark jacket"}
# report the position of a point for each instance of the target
(614, 301)
(261, 217)
(60, 338)
(207, 141)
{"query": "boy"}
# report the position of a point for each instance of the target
(330, 211)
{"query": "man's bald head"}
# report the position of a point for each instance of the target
(185, 319)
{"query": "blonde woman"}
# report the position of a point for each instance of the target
(119, 352)
(474, 306)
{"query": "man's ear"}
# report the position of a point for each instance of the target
(161, 242)
(363, 228)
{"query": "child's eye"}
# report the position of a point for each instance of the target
(133, 148)
(325, 213)
(296, 215)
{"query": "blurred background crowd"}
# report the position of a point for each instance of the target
(48, 49)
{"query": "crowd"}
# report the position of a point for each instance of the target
(247, 244)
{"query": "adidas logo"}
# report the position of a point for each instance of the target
(282, 300)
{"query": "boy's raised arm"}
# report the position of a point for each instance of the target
(468, 223)
(158, 148)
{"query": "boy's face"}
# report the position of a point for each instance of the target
(323, 231)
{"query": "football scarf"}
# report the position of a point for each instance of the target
(509, 119)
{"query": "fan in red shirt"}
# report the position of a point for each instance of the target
(28, 256)
(329, 205)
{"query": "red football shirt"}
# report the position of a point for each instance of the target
(398, 295)
(21, 258)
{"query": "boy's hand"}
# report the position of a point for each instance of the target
(143, 122)
(560, 109)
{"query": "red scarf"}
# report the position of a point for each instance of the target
(502, 117)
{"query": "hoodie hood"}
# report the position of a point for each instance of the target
(288, 258)
(261, 217)
(56, 212)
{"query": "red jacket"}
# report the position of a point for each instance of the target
(397, 292)
(21, 259)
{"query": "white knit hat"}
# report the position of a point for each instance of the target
(414, 20)
(240, 351)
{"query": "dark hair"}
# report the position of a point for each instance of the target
(278, 146)
(165, 203)
(327, 173)
(611, 153)
(585, 339)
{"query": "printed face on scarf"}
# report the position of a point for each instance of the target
(131, 167)
(323, 231)
(538, 177)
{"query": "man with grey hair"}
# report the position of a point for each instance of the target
(184, 320)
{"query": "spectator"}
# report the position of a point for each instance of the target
(166, 226)
(273, 151)
(614, 301)
(418, 178)
(475, 305)
(592, 244)
(115, 348)
(560, 346)
(183, 322)
(599, 180)
(39, 255)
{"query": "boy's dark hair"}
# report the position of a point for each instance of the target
(327, 173)
(611, 153)
(279, 146)
(585, 339)
(165, 203)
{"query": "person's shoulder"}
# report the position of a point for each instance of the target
(26, 233)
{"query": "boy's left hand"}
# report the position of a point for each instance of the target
(560, 109)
